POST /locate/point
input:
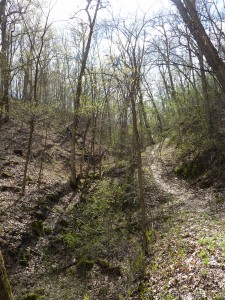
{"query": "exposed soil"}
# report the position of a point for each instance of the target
(185, 228)
(36, 235)
(188, 253)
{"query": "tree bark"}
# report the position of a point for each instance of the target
(205, 91)
(4, 61)
(5, 288)
(77, 96)
(145, 118)
(190, 17)
(29, 149)
(137, 146)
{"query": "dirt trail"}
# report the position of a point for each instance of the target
(189, 251)
(192, 199)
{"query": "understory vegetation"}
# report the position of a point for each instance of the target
(112, 152)
(199, 149)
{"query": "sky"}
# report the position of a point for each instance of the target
(64, 9)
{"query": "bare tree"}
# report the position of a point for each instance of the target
(78, 91)
(36, 47)
(189, 13)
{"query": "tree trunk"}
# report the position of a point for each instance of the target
(5, 288)
(77, 97)
(137, 146)
(4, 65)
(205, 91)
(158, 117)
(29, 148)
(147, 125)
(190, 17)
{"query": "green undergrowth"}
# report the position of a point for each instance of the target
(102, 232)
(37, 294)
(188, 259)
(197, 138)
(98, 221)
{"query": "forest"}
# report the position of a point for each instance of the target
(112, 152)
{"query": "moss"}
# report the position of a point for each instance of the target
(85, 264)
(30, 178)
(107, 268)
(102, 263)
(220, 198)
(6, 174)
(47, 230)
(24, 258)
(23, 261)
(30, 297)
(37, 227)
(43, 200)
(37, 294)
(5, 288)
(72, 240)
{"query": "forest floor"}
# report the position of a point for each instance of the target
(63, 245)
(188, 254)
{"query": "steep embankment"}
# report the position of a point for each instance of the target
(61, 244)
(188, 253)
(64, 244)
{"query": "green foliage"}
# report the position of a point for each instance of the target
(37, 294)
(52, 197)
(85, 265)
(138, 264)
(37, 227)
(86, 297)
(96, 219)
(219, 297)
(151, 235)
(170, 297)
(47, 230)
(204, 272)
(189, 170)
(25, 110)
(220, 198)
(24, 258)
(6, 174)
(31, 297)
(5, 287)
(210, 243)
(186, 120)
(72, 240)
(204, 255)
